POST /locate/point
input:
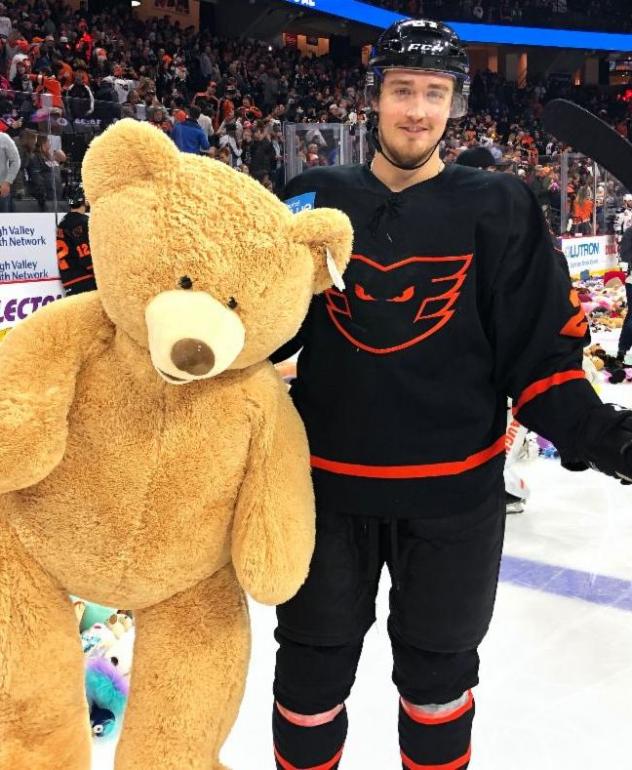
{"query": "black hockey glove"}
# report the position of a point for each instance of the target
(604, 443)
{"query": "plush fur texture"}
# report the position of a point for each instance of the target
(132, 492)
(106, 692)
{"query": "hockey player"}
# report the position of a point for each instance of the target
(73, 247)
(455, 299)
(623, 220)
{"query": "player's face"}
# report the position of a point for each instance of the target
(414, 108)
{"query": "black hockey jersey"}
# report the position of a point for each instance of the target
(73, 254)
(455, 299)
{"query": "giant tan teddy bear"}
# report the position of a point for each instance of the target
(150, 457)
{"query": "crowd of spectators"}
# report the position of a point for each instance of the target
(507, 121)
(66, 75)
(604, 15)
(72, 73)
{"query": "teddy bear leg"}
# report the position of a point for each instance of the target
(44, 720)
(190, 659)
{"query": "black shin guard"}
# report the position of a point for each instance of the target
(437, 742)
(308, 748)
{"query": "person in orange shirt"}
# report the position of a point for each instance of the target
(208, 102)
(249, 110)
(85, 46)
(48, 83)
(225, 112)
(65, 74)
(582, 212)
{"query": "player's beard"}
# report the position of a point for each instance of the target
(412, 158)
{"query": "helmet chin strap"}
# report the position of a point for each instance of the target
(375, 137)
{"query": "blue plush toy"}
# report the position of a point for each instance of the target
(106, 691)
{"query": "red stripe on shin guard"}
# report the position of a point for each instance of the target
(440, 719)
(308, 720)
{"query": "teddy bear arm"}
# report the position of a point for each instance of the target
(273, 529)
(38, 365)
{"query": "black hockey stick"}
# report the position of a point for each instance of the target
(588, 134)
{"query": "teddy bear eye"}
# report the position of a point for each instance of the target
(232, 303)
(185, 282)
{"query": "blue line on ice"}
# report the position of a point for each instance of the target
(571, 583)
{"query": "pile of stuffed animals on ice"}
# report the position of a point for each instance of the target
(604, 302)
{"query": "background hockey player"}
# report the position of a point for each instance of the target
(73, 247)
(455, 299)
(623, 220)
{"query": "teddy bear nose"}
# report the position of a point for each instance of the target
(193, 356)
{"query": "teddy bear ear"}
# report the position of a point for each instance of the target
(329, 236)
(128, 152)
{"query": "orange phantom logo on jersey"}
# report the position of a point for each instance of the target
(577, 326)
(386, 308)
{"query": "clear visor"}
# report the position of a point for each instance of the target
(460, 98)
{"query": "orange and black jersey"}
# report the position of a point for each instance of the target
(73, 254)
(455, 299)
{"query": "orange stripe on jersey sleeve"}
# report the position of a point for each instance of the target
(78, 280)
(544, 385)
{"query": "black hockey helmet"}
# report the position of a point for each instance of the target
(76, 197)
(424, 45)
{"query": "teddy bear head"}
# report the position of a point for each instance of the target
(200, 265)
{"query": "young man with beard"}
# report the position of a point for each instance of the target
(455, 299)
